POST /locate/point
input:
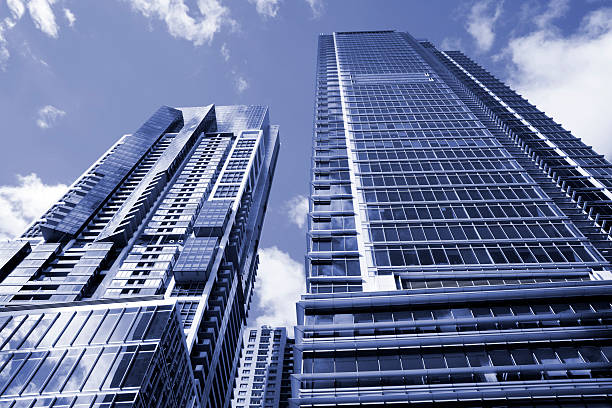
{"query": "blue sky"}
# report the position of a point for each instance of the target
(76, 75)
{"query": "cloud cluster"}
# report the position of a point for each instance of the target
(297, 210)
(270, 8)
(70, 17)
(22, 203)
(316, 6)
(280, 282)
(241, 84)
(451, 44)
(267, 8)
(568, 76)
(554, 10)
(198, 27)
(225, 52)
(48, 116)
(480, 22)
(42, 15)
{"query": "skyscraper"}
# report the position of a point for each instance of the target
(265, 368)
(133, 290)
(459, 248)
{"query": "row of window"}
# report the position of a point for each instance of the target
(433, 153)
(429, 313)
(472, 231)
(330, 152)
(401, 212)
(435, 94)
(426, 116)
(394, 89)
(225, 191)
(335, 267)
(413, 125)
(460, 283)
(399, 136)
(410, 103)
(367, 110)
(443, 179)
(377, 164)
(334, 176)
(335, 204)
(409, 255)
(335, 243)
(339, 287)
(326, 164)
(483, 193)
(332, 189)
(336, 222)
(74, 370)
(410, 360)
(411, 119)
(81, 328)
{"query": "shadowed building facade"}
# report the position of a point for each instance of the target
(133, 289)
(266, 365)
(458, 245)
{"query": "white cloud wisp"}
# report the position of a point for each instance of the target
(241, 84)
(199, 28)
(480, 22)
(42, 15)
(297, 210)
(22, 203)
(568, 76)
(266, 8)
(48, 116)
(280, 282)
(225, 52)
(70, 17)
(316, 6)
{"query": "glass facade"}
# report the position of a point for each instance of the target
(458, 245)
(129, 354)
(133, 289)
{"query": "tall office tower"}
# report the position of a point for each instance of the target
(265, 369)
(132, 290)
(458, 239)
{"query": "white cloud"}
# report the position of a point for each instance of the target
(4, 52)
(16, 7)
(450, 44)
(69, 16)
(316, 6)
(22, 203)
(554, 10)
(26, 51)
(280, 282)
(198, 28)
(481, 20)
(41, 13)
(297, 210)
(43, 17)
(225, 52)
(241, 84)
(568, 77)
(48, 116)
(267, 8)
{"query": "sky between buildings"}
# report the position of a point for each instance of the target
(77, 74)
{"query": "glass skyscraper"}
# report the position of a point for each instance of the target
(133, 289)
(458, 245)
